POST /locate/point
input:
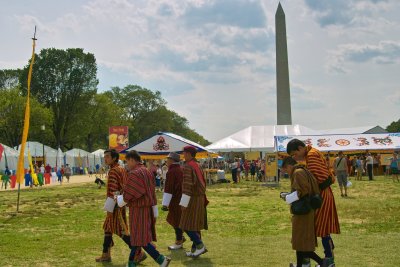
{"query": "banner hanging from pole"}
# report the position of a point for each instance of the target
(118, 138)
(20, 167)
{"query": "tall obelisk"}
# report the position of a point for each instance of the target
(284, 112)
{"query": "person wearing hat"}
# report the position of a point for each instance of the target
(172, 196)
(193, 202)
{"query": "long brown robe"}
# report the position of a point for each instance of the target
(194, 217)
(173, 186)
(303, 226)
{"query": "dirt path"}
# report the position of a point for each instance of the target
(75, 179)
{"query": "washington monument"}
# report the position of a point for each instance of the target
(284, 112)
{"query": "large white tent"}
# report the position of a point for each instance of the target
(76, 158)
(257, 138)
(9, 158)
(36, 150)
(159, 145)
(98, 157)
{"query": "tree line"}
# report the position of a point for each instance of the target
(65, 99)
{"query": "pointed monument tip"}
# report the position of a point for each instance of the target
(279, 9)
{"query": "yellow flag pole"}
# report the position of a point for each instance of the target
(20, 167)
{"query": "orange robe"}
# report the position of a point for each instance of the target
(326, 218)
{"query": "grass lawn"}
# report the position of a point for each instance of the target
(249, 226)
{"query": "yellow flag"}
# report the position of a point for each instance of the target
(20, 167)
(33, 174)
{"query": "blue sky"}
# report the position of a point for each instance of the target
(214, 60)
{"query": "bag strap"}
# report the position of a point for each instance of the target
(339, 162)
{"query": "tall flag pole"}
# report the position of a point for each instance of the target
(20, 168)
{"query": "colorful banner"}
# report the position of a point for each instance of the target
(349, 142)
(118, 138)
(20, 168)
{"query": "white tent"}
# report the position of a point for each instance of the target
(257, 138)
(97, 157)
(11, 156)
(159, 145)
(348, 142)
(36, 150)
(77, 158)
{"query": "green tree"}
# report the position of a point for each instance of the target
(9, 78)
(65, 81)
(394, 127)
(12, 112)
(145, 112)
(100, 113)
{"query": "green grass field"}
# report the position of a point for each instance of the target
(249, 226)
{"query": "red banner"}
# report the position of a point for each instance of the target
(118, 138)
(1, 151)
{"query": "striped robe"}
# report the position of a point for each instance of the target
(194, 217)
(115, 223)
(173, 186)
(326, 218)
(140, 195)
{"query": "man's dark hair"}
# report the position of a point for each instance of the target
(133, 154)
(114, 154)
(293, 145)
(288, 161)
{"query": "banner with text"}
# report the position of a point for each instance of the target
(118, 138)
(383, 141)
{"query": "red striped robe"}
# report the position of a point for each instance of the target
(194, 217)
(116, 222)
(173, 186)
(140, 195)
(326, 218)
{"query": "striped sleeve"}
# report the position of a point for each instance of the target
(134, 188)
(317, 166)
(112, 184)
(187, 184)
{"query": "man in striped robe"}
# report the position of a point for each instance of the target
(193, 202)
(172, 196)
(141, 198)
(326, 218)
(115, 222)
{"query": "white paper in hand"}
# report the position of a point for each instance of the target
(109, 204)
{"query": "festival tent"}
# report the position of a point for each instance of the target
(36, 150)
(349, 142)
(159, 145)
(257, 138)
(77, 158)
(9, 158)
(98, 157)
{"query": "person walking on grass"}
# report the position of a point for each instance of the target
(326, 218)
(369, 162)
(394, 167)
(359, 168)
(67, 172)
(115, 222)
(172, 196)
(304, 239)
(193, 202)
(341, 170)
(140, 196)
